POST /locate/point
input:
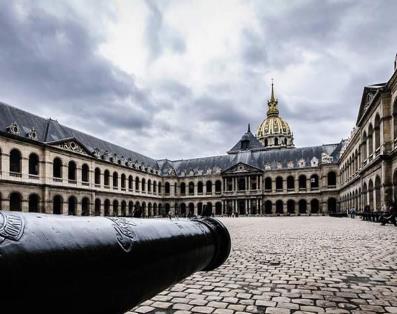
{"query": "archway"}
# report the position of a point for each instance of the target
(302, 207)
(268, 207)
(57, 205)
(279, 207)
(72, 206)
(34, 201)
(85, 206)
(291, 206)
(314, 206)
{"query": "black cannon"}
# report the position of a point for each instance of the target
(66, 264)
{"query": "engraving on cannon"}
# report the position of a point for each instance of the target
(11, 226)
(125, 232)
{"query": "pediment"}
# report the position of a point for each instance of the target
(71, 145)
(241, 168)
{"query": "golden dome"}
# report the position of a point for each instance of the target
(274, 131)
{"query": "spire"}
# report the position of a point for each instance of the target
(272, 104)
(249, 128)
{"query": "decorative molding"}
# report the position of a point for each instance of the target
(13, 128)
(32, 134)
(72, 146)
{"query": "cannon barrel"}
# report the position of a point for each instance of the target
(67, 264)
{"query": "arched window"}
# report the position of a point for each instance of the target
(302, 182)
(15, 161)
(218, 186)
(159, 188)
(97, 207)
(314, 182)
(106, 178)
(130, 208)
(200, 187)
(34, 202)
(377, 132)
(115, 180)
(57, 205)
(15, 201)
(33, 164)
(167, 188)
(85, 173)
(123, 208)
(72, 206)
(191, 188)
(279, 184)
(97, 176)
(130, 182)
(72, 171)
(123, 180)
(57, 168)
(183, 188)
(290, 183)
(331, 205)
(143, 184)
(209, 187)
(331, 179)
(268, 184)
(370, 140)
(276, 141)
(364, 147)
(149, 186)
(154, 187)
(85, 206)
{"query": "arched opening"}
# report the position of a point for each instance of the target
(85, 173)
(34, 164)
(97, 207)
(167, 208)
(218, 186)
(123, 208)
(106, 208)
(268, 184)
(209, 187)
(85, 206)
(137, 183)
(72, 171)
(149, 210)
(154, 187)
(130, 208)
(200, 208)
(15, 161)
(191, 209)
(377, 133)
(97, 176)
(183, 188)
(331, 205)
(218, 208)
(115, 180)
(279, 184)
(371, 194)
(159, 189)
(149, 186)
(15, 201)
(34, 202)
(291, 206)
(191, 188)
(268, 207)
(290, 183)
(167, 188)
(106, 178)
(314, 182)
(276, 141)
(279, 207)
(183, 209)
(370, 140)
(57, 168)
(143, 210)
(209, 209)
(302, 207)
(122, 181)
(138, 210)
(364, 147)
(314, 206)
(115, 208)
(331, 179)
(72, 205)
(57, 205)
(302, 182)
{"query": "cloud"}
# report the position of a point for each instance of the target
(182, 79)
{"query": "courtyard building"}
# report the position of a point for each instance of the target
(48, 167)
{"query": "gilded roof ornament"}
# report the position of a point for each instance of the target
(272, 104)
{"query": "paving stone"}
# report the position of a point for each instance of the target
(203, 309)
(181, 306)
(144, 309)
(276, 310)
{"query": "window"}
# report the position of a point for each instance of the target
(72, 171)
(200, 187)
(97, 176)
(218, 186)
(331, 179)
(57, 168)
(279, 184)
(106, 178)
(314, 182)
(85, 173)
(15, 161)
(15, 201)
(290, 183)
(33, 164)
(302, 182)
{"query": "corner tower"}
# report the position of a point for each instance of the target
(274, 132)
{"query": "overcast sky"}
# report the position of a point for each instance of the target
(181, 79)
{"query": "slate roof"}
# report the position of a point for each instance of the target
(253, 143)
(50, 131)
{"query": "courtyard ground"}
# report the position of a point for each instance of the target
(293, 264)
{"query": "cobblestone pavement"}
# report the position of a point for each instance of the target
(293, 265)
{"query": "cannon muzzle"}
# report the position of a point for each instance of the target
(67, 264)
